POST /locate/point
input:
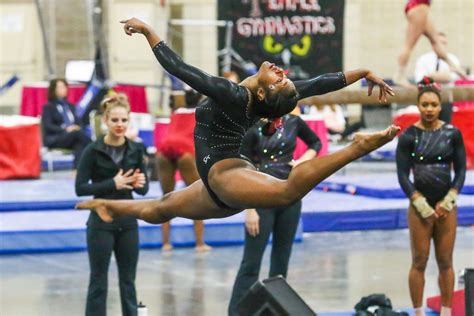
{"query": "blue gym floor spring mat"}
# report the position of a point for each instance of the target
(39, 215)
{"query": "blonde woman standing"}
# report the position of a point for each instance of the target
(112, 167)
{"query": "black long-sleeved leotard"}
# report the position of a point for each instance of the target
(222, 119)
(273, 154)
(430, 154)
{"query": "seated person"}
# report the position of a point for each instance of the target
(335, 121)
(59, 122)
(430, 65)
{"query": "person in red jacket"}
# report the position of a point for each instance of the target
(176, 153)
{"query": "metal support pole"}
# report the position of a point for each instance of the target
(227, 59)
(46, 43)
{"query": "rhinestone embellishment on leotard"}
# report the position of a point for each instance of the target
(247, 108)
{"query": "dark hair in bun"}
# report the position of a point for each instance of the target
(427, 84)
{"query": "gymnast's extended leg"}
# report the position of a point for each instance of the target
(193, 202)
(240, 186)
(247, 188)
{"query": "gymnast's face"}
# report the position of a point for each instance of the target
(117, 119)
(429, 106)
(272, 79)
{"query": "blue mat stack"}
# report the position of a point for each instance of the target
(38, 215)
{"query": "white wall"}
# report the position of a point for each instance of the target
(130, 58)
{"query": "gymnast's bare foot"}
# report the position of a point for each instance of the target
(203, 248)
(372, 141)
(98, 206)
(166, 247)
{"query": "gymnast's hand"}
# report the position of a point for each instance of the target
(123, 181)
(374, 80)
(252, 222)
(140, 179)
(134, 25)
(447, 204)
(293, 163)
(73, 128)
(441, 211)
(423, 208)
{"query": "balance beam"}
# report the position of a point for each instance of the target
(402, 96)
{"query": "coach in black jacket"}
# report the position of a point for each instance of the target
(60, 123)
(111, 168)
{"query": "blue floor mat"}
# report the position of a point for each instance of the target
(38, 216)
(382, 186)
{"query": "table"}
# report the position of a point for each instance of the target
(20, 149)
(462, 119)
(33, 97)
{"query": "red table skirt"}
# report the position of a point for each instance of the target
(34, 97)
(20, 152)
(462, 119)
(318, 126)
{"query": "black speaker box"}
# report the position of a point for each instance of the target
(469, 291)
(273, 297)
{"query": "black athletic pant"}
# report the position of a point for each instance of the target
(76, 141)
(352, 128)
(348, 129)
(282, 222)
(100, 244)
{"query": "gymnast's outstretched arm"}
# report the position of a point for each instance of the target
(334, 81)
(217, 88)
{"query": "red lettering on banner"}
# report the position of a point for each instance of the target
(277, 25)
(293, 5)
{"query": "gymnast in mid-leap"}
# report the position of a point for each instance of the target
(229, 182)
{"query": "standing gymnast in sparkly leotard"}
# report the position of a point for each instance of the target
(430, 148)
(230, 183)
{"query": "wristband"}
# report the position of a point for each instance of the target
(449, 201)
(423, 207)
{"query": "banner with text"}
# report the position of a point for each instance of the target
(301, 36)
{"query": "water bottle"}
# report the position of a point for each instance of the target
(142, 310)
